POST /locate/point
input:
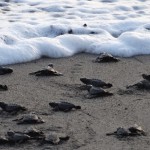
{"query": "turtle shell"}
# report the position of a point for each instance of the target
(105, 57)
(52, 138)
(29, 119)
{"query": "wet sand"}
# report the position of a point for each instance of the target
(87, 127)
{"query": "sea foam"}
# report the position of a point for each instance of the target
(30, 30)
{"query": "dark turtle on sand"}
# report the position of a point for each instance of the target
(120, 133)
(105, 57)
(63, 106)
(96, 82)
(131, 131)
(12, 108)
(55, 138)
(145, 76)
(5, 70)
(17, 137)
(34, 133)
(49, 71)
(3, 87)
(142, 85)
(97, 92)
(30, 119)
(136, 131)
(3, 140)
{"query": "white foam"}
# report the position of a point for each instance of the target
(32, 29)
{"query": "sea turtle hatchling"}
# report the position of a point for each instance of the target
(55, 138)
(30, 119)
(105, 57)
(120, 133)
(17, 137)
(48, 71)
(96, 82)
(142, 85)
(5, 70)
(34, 133)
(131, 131)
(12, 108)
(63, 106)
(97, 92)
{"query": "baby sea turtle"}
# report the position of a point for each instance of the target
(5, 70)
(55, 138)
(131, 131)
(12, 108)
(3, 87)
(142, 85)
(30, 119)
(145, 76)
(96, 82)
(120, 133)
(105, 57)
(34, 133)
(97, 92)
(49, 71)
(63, 106)
(17, 137)
(136, 131)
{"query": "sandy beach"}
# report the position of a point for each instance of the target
(87, 127)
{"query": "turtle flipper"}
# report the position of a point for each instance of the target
(34, 73)
(112, 133)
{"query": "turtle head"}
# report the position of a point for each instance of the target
(4, 87)
(109, 85)
(109, 93)
(53, 104)
(144, 76)
(51, 65)
(78, 107)
(2, 104)
(84, 80)
(8, 70)
(10, 133)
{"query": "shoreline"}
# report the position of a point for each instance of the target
(87, 127)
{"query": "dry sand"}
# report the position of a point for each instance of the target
(87, 127)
